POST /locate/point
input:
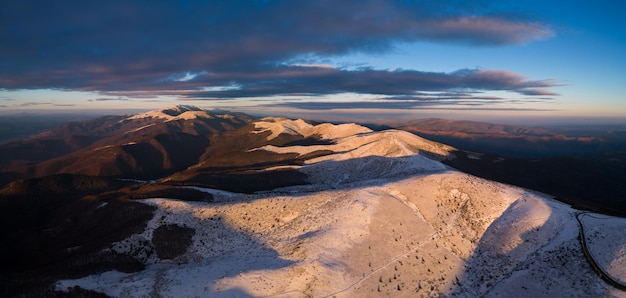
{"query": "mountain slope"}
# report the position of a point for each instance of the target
(149, 145)
(446, 233)
(583, 166)
(242, 160)
(375, 216)
(280, 207)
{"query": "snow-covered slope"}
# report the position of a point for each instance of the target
(389, 143)
(178, 112)
(605, 240)
(382, 217)
(356, 153)
(300, 127)
(367, 155)
(168, 113)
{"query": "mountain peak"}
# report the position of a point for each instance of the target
(175, 112)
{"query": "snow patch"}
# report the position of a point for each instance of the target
(103, 147)
(140, 128)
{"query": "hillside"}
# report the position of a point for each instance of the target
(149, 145)
(286, 208)
(583, 166)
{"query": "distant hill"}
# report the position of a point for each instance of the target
(15, 127)
(503, 140)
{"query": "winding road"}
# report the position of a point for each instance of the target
(596, 267)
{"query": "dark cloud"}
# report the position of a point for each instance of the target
(312, 105)
(401, 105)
(299, 80)
(233, 49)
(419, 101)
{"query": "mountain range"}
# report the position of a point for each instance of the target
(189, 202)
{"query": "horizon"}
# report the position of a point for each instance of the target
(345, 116)
(530, 63)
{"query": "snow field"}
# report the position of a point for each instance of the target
(379, 219)
(442, 233)
(606, 241)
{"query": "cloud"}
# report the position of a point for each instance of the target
(542, 92)
(312, 105)
(484, 31)
(111, 98)
(195, 49)
(294, 80)
(32, 103)
(132, 94)
(463, 100)
(402, 105)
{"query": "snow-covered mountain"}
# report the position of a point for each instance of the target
(286, 208)
(181, 112)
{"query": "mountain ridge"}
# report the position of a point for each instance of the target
(120, 145)
(284, 207)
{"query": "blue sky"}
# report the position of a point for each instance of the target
(505, 61)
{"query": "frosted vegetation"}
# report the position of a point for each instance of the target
(380, 217)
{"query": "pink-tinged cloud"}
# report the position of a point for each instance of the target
(483, 30)
(32, 103)
(506, 80)
(538, 92)
(111, 99)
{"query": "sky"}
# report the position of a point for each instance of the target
(503, 61)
